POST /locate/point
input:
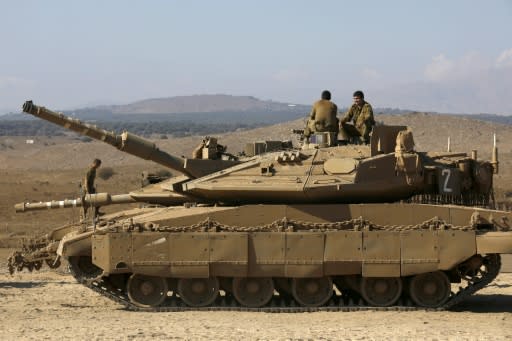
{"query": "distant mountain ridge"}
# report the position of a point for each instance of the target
(220, 109)
(198, 103)
(198, 108)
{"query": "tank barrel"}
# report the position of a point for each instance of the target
(94, 200)
(126, 142)
(137, 146)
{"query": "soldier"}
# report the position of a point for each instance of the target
(361, 113)
(323, 116)
(88, 185)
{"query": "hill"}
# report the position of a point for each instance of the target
(199, 103)
(177, 116)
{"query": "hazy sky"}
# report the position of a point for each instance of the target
(448, 56)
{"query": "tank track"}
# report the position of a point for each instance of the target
(337, 303)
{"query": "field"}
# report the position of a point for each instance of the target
(53, 306)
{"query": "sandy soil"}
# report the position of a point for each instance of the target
(49, 305)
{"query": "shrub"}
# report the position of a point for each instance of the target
(105, 173)
(8, 143)
(85, 139)
(163, 173)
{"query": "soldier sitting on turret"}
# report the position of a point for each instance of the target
(323, 116)
(361, 113)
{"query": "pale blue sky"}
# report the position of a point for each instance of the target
(451, 56)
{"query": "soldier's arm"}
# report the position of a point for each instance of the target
(335, 109)
(312, 114)
(336, 121)
(86, 179)
(347, 116)
(368, 114)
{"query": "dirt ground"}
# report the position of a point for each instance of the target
(50, 305)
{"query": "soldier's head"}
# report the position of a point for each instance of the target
(358, 97)
(326, 94)
(96, 163)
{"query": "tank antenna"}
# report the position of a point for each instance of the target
(449, 149)
(379, 147)
(494, 159)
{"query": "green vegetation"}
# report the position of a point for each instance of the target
(167, 128)
(184, 124)
(164, 173)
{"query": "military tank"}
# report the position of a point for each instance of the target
(284, 228)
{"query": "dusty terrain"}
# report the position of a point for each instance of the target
(51, 305)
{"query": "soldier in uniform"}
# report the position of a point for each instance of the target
(323, 116)
(88, 185)
(361, 114)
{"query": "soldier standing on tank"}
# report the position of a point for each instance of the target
(323, 116)
(361, 114)
(88, 186)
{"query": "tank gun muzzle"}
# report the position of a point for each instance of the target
(28, 106)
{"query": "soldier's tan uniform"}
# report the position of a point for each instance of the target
(89, 181)
(363, 121)
(88, 188)
(322, 117)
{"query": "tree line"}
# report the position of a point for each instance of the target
(171, 129)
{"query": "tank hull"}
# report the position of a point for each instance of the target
(380, 254)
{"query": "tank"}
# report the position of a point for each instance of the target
(283, 228)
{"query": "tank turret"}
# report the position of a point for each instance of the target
(386, 170)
